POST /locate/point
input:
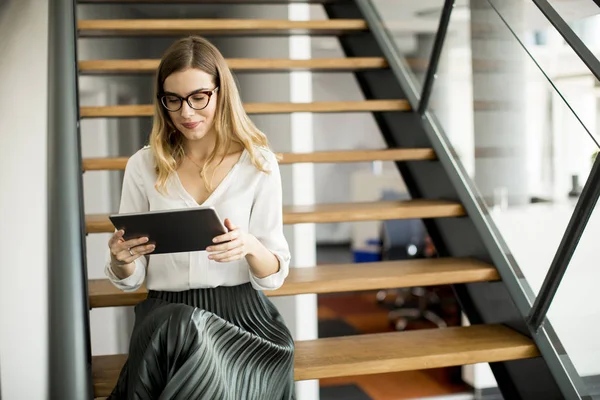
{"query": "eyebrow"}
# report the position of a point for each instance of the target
(190, 93)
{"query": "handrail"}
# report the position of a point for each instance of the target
(588, 58)
(69, 340)
(438, 45)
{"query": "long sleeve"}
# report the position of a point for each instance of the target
(266, 224)
(133, 199)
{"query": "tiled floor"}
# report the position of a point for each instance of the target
(355, 313)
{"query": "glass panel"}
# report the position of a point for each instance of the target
(583, 16)
(574, 312)
(522, 145)
(413, 26)
(560, 62)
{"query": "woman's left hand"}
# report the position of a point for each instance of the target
(238, 245)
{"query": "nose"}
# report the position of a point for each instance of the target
(186, 110)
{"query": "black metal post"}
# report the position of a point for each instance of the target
(570, 37)
(69, 339)
(434, 61)
(583, 210)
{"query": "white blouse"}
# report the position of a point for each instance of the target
(251, 199)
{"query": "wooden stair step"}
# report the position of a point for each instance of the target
(240, 64)
(371, 211)
(260, 108)
(378, 353)
(338, 278)
(181, 27)
(208, 1)
(119, 163)
(336, 212)
(270, 65)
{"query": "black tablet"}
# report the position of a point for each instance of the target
(172, 231)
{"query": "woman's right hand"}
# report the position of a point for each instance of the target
(124, 252)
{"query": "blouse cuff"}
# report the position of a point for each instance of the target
(129, 284)
(275, 280)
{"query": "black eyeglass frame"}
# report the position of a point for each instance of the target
(209, 93)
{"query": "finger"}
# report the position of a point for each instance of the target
(140, 252)
(225, 246)
(126, 245)
(227, 237)
(229, 225)
(230, 255)
(129, 257)
(133, 242)
(143, 250)
(114, 239)
(230, 259)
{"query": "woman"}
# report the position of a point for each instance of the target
(206, 330)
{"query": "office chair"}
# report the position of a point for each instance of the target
(403, 240)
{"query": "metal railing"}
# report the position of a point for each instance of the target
(68, 321)
(588, 198)
(581, 215)
(436, 52)
(545, 337)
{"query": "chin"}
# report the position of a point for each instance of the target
(195, 134)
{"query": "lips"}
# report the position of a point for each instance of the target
(191, 125)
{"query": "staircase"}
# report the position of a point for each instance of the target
(498, 334)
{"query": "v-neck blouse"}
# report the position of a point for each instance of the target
(250, 198)
(222, 186)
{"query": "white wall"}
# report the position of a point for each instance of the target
(23, 200)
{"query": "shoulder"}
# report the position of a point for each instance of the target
(265, 157)
(142, 161)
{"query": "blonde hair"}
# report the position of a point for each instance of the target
(231, 122)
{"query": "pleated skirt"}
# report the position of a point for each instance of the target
(225, 343)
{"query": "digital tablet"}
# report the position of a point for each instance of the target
(172, 231)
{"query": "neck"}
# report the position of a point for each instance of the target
(200, 149)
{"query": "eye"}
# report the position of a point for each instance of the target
(199, 97)
(171, 99)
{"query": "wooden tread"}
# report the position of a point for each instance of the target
(119, 163)
(260, 108)
(208, 1)
(378, 353)
(338, 278)
(335, 212)
(240, 64)
(180, 27)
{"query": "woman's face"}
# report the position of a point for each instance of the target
(194, 124)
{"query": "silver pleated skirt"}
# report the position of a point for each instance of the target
(226, 343)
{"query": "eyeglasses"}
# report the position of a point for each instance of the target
(197, 100)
